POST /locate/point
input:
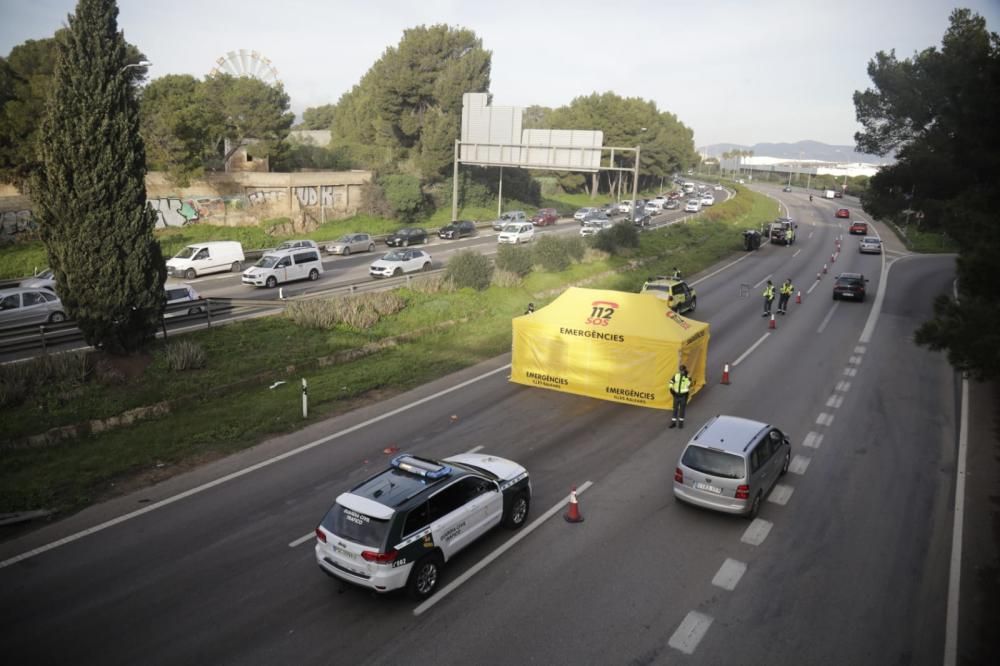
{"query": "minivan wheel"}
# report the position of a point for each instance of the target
(236, 267)
(190, 274)
(271, 282)
(56, 317)
(755, 507)
(424, 577)
(788, 460)
(314, 275)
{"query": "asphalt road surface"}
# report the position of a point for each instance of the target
(846, 564)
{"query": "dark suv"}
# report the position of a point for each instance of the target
(849, 285)
(457, 229)
(406, 237)
(398, 528)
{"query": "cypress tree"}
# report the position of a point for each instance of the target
(90, 194)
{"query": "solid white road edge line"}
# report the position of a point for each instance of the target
(483, 563)
(955, 569)
(243, 472)
(752, 347)
(883, 283)
(302, 540)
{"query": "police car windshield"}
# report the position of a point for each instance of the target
(716, 463)
(658, 287)
(354, 526)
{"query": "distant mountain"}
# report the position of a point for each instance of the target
(806, 150)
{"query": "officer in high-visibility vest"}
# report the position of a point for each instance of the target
(785, 292)
(768, 298)
(680, 388)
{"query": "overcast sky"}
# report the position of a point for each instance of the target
(736, 71)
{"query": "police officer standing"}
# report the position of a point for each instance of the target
(785, 292)
(680, 388)
(768, 298)
(676, 275)
(531, 308)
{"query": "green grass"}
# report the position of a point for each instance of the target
(227, 406)
(925, 242)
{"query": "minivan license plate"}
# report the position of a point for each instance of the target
(711, 489)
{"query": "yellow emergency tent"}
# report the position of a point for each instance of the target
(612, 345)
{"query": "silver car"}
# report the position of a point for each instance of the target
(731, 464)
(351, 243)
(45, 279)
(19, 307)
(870, 244)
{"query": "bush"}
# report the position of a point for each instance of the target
(575, 247)
(470, 269)
(617, 238)
(405, 196)
(61, 371)
(514, 259)
(551, 253)
(184, 355)
(361, 311)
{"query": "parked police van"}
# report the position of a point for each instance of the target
(398, 528)
(275, 268)
(208, 257)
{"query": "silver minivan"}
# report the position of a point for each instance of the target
(731, 464)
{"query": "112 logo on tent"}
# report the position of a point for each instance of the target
(601, 312)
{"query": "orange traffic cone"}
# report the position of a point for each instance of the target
(772, 324)
(573, 513)
(833, 258)
(725, 374)
(824, 268)
(798, 296)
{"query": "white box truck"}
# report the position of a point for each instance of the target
(827, 194)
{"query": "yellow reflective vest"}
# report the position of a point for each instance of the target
(680, 383)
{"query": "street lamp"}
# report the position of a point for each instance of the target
(141, 63)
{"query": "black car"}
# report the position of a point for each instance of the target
(457, 229)
(407, 237)
(641, 218)
(849, 285)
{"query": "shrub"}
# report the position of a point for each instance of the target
(470, 269)
(184, 355)
(404, 195)
(361, 311)
(506, 279)
(19, 380)
(514, 259)
(551, 253)
(432, 284)
(575, 247)
(617, 238)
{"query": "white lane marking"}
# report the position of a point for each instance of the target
(869, 330)
(813, 440)
(475, 449)
(729, 574)
(752, 347)
(796, 253)
(766, 278)
(810, 289)
(860, 349)
(810, 235)
(843, 386)
(690, 632)
(510, 543)
(824, 419)
(243, 472)
(829, 315)
(757, 532)
(731, 263)
(955, 568)
(780, 494)
(302, 540)
(799, 465)
(850, 372)
(854, 360)
(835, 401)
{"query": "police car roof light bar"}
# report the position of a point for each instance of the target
(421, 467)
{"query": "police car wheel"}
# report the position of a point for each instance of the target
(694, 304)
(424, 576)
(517, 514)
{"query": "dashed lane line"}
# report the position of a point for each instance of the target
(827, 318)
(780, 494)
(813, 440)
(810, 289)
(835, 401)
(850, 372)
(752, 347)
(690, 632)
(757, 532)
(729, 574)
(799, 465)
(824, 419)
(510, 543)
(843, 386)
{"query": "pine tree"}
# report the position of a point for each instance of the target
(90, 194)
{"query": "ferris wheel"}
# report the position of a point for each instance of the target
(247, 63)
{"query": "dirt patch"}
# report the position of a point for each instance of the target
(120, 369)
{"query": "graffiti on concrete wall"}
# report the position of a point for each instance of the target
(177, 212)
(262, 197)
(327, 196)
(16, 222)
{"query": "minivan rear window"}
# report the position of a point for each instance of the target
(355, 526)
(716, 463)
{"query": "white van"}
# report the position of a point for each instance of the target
(277, 267)
(518, 232)
(203, 258)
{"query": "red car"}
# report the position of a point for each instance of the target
(545, 216)
(859, 228)
(843, 212)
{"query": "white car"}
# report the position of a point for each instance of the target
(594, 227)
(654, 207)
(718, 188)
(625, 206)
(693, 206)
(397, 262)
(514, 234)
(707, 200)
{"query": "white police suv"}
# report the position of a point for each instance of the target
(399, 527)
